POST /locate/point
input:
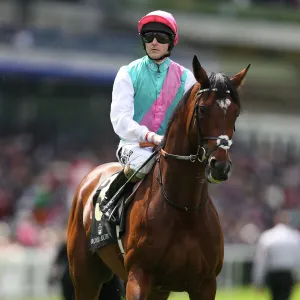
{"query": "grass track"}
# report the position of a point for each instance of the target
(244, 293)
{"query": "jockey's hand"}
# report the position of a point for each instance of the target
(154, 138)
(157, 139)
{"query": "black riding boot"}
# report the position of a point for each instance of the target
(107, 207)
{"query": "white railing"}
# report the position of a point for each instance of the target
(24, 272)
(234, 264)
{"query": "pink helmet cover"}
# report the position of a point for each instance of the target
(163, 17)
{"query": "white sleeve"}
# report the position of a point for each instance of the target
(190, 80)
(122, 109)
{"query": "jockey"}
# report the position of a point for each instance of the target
(145, 92)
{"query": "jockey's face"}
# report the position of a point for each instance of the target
(156, 49)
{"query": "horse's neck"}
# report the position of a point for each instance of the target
(184, 181)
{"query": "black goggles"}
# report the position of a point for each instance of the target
(161, 37)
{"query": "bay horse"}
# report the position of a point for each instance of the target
(173, 239)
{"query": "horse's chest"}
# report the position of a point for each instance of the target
(182, 251)
(175, 247)
(187, 259)
(194, 251)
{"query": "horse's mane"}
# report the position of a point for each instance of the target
(216, 80)
(178, 108)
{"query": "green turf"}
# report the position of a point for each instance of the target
(244, 293)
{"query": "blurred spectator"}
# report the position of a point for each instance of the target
(277, 258)
(27, 233)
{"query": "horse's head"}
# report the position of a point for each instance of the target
(213, 118)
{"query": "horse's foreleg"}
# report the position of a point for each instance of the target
(207, 290)
(139, 285)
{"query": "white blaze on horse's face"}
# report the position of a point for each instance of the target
(224, 104)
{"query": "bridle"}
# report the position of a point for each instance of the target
(202, 155)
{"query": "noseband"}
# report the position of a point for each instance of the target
(202, 154)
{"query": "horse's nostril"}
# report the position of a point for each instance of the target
(212, 162)
(222, 166)
(227, 169)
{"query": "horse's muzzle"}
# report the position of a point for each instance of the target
(218, 171)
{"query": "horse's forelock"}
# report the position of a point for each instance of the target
(223, 84)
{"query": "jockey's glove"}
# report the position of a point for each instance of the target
(154, 138)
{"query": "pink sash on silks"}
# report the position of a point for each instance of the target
(157, 112)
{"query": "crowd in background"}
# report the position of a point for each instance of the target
(37, 184)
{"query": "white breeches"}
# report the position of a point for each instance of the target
(132, 156)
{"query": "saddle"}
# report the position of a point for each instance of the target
(103, 232)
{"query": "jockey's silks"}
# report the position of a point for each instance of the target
(147, 93)
(158, 89)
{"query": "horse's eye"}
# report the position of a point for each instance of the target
(202, 109)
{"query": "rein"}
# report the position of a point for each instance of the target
(180, 207)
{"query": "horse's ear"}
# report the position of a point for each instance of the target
(199, 72)
(238, 78)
